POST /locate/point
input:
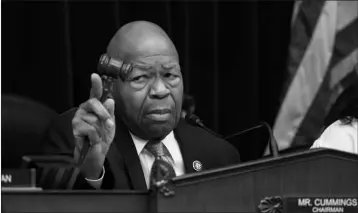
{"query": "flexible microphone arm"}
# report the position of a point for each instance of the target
(273, 144)
(193, 119)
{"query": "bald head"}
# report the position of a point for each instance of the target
(140, 39)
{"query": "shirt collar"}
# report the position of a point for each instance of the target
(140, 143)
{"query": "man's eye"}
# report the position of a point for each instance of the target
(169, 75)
(139, 78)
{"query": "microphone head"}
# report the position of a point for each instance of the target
(193, 119)
(188, 119)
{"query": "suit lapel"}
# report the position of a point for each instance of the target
(188, 146)
(125, 145)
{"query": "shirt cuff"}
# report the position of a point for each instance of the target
(97, 183)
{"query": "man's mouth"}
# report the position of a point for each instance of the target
(159, 114)
(159, 111)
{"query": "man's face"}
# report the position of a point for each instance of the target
(150, 98)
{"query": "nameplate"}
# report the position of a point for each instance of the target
(320, 204)
(18, 178)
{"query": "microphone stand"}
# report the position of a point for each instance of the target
(272, 142)
(193, 119)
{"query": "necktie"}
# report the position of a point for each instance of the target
(162, 169)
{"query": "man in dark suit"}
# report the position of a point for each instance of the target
(139, 132)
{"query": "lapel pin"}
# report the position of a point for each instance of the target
(197, 166)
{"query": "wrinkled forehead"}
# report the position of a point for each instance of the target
(155, 60)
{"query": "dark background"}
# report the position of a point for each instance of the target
(232, 54)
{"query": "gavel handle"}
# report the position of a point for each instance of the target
(84, 152)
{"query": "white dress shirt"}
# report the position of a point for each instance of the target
(147, 159)
(339, 136)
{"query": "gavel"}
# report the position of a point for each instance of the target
(109, 69)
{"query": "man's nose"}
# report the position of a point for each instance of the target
(159, 90)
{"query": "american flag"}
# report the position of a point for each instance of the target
(322, 63)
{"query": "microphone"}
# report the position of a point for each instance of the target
(195, 120)
(273, 143)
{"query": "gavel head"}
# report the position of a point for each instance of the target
(113, 68)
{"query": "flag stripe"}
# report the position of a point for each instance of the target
(309, 75)
(304, 24)
(313, 122)
(347, 12)
(296, 8)
(346, 42)
(341, 69)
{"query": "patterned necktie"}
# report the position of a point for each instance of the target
(162, 168)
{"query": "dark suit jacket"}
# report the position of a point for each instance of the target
(122, 165)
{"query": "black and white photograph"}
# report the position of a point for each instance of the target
(179, 106)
